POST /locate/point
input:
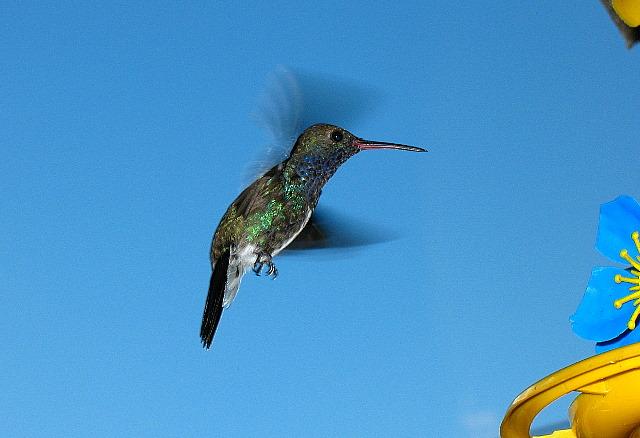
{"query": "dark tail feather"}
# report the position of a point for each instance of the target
(213, 306)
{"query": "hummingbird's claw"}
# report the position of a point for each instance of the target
(273, 271)
(262, 260)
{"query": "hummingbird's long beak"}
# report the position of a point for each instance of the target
(368, 144)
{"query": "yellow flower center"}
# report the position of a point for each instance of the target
(634, 282)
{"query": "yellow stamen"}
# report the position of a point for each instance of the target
(635, 280)
(636, 239)
(619, 279)
(625, 255)
(634, 296)
(632, 321)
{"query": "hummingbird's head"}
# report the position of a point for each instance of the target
(324, 141)
(335, 144)
(322, 148)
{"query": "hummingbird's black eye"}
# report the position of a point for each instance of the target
(336, 136)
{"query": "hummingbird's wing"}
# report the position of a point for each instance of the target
(251, 199)
(312, 236)
(278, 113)
(327, 228)
(295, 99)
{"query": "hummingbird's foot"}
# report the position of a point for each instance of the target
(262, 260)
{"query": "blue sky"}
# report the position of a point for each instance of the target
(126, 131)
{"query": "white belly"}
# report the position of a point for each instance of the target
(243, 258)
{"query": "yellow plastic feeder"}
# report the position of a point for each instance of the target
(608, 405)
(628, 11)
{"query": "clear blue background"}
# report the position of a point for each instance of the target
(125, 134)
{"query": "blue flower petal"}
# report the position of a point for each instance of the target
(626, 338)
(596, 318)
(618, 219)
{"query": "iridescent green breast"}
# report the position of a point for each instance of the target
(265, 214)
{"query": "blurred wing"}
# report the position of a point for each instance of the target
(280, 107)
(295, 100)
(279, 114)
(329, 229)
(312, 236)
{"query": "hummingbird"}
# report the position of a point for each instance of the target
(270, 213)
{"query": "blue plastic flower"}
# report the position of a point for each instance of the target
(609, 310)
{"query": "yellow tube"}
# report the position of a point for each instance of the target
(609, 405)
(628, 11)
